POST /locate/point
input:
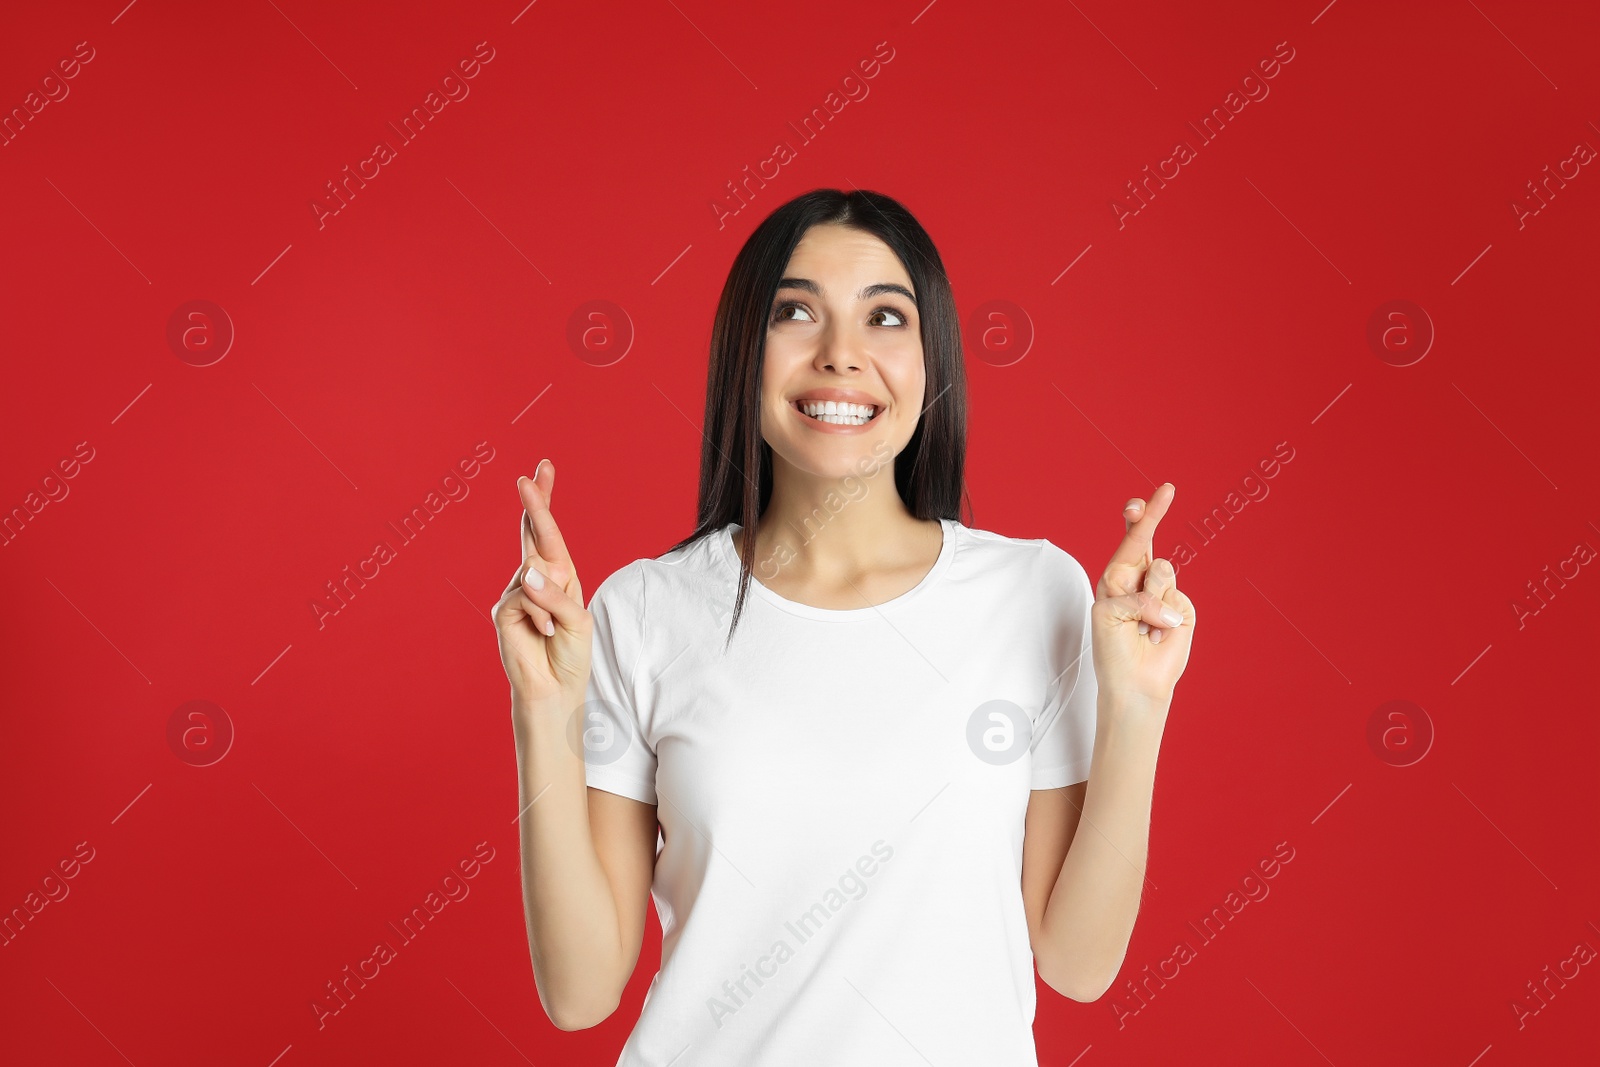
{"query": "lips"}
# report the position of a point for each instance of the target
(843, 396)
(838, 421)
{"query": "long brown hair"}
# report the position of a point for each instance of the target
(927, 473)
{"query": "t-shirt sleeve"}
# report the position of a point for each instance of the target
(617, 754)
(1062, 742)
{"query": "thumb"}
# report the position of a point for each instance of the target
(1136, 607)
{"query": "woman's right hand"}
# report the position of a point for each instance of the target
(544, 628)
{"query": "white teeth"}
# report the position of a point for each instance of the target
(838, 413)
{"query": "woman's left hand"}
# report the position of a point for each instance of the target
(1142, 624)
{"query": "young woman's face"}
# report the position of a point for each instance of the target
(843, 327)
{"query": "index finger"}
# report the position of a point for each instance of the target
(538, 525)
(1135, 549)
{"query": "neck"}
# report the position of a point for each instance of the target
(830, 527)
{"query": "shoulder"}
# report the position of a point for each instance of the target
(674, 573)
(1039, 560)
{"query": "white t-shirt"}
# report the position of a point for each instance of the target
(842, 797)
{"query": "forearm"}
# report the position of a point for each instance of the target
(1090, 915)
(568, 902)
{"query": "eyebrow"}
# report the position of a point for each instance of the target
(868, 293)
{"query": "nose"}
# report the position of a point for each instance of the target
(837, 352)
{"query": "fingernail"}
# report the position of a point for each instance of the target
(537, 469)
(1132, 507)
(1171, 617)
(1155, 638)
(549, 627)
(1144, 627)
(533, 578)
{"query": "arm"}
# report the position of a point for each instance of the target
(1085, 847)
(1084, 856)
(588, 857)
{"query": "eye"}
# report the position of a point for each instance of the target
(778, 316)
(899, 319)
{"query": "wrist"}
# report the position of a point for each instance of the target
(544, 714)
(1129, 707)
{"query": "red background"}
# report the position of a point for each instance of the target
(371, 753)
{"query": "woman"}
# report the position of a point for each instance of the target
(867, 730)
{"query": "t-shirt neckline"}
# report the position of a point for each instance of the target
(947, 552)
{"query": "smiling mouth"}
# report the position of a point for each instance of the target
(838, 414)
